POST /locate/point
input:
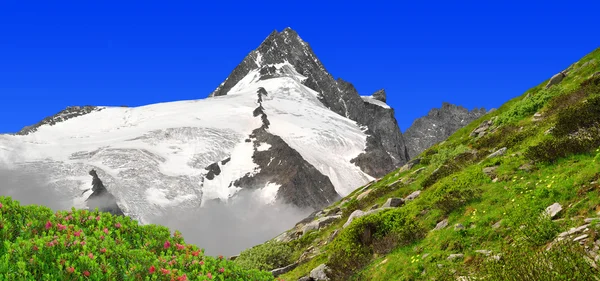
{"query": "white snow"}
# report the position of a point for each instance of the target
(374, 101)
(153, 157)
(268, 194)
(263, 147)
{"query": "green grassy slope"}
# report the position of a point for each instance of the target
(551, 138)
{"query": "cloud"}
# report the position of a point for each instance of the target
(228, 228)
(30, 188)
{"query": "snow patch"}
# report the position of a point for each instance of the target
(263, 147)
(268, 194)
(374, 101)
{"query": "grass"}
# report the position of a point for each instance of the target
(455, 188)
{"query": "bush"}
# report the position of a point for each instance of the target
(528, 105)
(581, 116)
(379, 232)
(452, 193)
(39, 244)
(531, 226)
(565, 261)
(267, 256)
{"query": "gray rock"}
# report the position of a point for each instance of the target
(363, 195)
(557, 78)
(394, 202)
(490, 171)
(497, 224)
(355, 214)
(319, 223)
(413, 196)
(526, 167)
(590, 220)
(537, 116)
(306, 278)
(442, 224)
(499, 152)
(101, 198)
(437, 126)
(573, 231)
(333, 211)
(320, 273)
(64, 115)
(481, 129)
(374, 207)
(232, 258)
(553, 210)
(333, 235)
(283, 270)
(459, 226)
(581, 237)
(455, 256)
(484, 252)
(417, 171)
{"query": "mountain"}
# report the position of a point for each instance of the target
(279, 127)
(437, 126)
(513, 195)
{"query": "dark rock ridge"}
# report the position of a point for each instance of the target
(385, 141)
(101, 198)
(66, 114)
(437, 126)
(301, 184)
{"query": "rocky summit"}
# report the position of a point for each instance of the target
(437, 126)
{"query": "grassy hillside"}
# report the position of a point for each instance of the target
(38, 244)
(476, 217)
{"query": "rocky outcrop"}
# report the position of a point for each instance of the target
(301, 184)
(101, 198)
(66, 114)
(385, 150)
(437, 126)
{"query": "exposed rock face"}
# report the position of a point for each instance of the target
(386, 149)
(101, 198)
(66, 114)
(437, 126)
(557, 78)
(301, 183)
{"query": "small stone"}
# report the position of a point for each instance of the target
(581, 237)
(590, 220)
(498, 152)
(394, 202)
(363, 195)
(374, 206)
(497, 224)
(459, 226)
(553, 210)
(320, 273)
(490, 171)
(484, 252)
(495, 180)
(441, 224)
(455, 256)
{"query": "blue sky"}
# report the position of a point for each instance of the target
(55, 54)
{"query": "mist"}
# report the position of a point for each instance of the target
(228, 228)
(219, 228)
(30, 188)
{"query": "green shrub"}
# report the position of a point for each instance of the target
(528, 105)
(565, 261)
(350, 207)
(452, 193)
(267, 256)
(581, 116)
(38, 244)
(531, 226)
(379, 232)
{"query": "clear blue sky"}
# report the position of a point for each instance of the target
(55, 54)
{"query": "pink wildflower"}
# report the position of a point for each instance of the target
(106, 230)
(167, 244)
(48, 225)
(221, 269)
(118, 225)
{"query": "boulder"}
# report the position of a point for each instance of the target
(490, 171)
(413, 196)
(482, 128)
(442, 224)
(557, 78)
(355, 214)
(320, 273)
(394, 202)
(498, 152)
(319, 223)
(553, 210)
(283, 270)
(306, 278)
(363, 195)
